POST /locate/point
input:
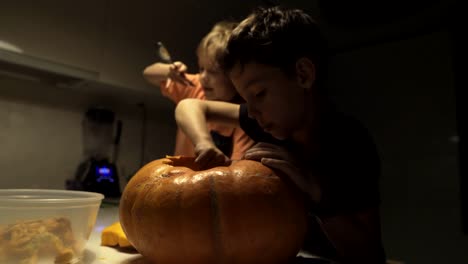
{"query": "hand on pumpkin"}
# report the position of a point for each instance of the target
(280, 160)
(208, 155)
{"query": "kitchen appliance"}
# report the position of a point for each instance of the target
(98, 170)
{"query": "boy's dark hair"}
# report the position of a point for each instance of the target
(276, 36)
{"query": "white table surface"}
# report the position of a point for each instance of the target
(97, 254)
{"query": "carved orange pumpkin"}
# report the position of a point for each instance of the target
(173, 213)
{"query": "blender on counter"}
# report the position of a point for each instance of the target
(98, 170)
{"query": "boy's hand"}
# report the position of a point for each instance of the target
(177, 72)
(279, 159)
(208, 155)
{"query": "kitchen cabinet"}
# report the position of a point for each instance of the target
(105, 44)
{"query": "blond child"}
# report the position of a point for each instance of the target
(211, 83)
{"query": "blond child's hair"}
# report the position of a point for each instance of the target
(214, 43)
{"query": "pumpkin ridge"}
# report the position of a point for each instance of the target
(217, 235)
(184, 247)
(140, 201)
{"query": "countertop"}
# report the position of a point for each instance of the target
(97, 254)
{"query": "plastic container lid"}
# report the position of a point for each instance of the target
(48, 198)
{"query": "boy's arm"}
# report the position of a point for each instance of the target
(159, 72)
(356, 236)
(173, 82)
(192, 116)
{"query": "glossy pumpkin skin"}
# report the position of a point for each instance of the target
(242, 214)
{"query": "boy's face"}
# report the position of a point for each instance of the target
(273, 98)
(216, 84)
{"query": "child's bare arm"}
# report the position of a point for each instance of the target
(192, 116)
(159, 72)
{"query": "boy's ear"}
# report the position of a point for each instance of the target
(305, 73)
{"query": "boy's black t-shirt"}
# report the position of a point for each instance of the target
(347, 163)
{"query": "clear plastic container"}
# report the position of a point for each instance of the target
(45, 226)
